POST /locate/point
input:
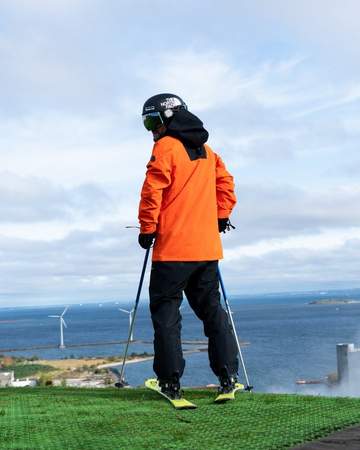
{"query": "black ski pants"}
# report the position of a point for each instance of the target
(200, 282)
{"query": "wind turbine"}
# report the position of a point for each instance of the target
(62, 323)
(130, 320)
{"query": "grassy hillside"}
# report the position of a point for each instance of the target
(27, 370)
(68, 418)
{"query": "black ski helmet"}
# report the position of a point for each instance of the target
(157, 110)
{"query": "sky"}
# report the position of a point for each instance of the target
(277, 85)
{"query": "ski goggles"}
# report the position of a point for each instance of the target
(152, 121)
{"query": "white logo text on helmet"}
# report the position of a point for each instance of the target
(170, 102)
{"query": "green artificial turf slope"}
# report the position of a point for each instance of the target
(131, 419)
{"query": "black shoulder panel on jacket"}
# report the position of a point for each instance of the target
(196, 153)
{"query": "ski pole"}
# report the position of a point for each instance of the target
(248, 387)
(122, 379)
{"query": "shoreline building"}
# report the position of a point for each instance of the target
(348, 363)
(7, 379)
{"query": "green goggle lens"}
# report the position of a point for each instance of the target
(152, 121)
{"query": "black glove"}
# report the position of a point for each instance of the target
(225, 225)
(146, 240)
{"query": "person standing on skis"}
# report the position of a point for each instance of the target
(186, 200)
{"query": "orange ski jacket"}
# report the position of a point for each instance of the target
(181, 200)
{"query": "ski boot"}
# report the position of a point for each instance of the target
(171, 388)
(228, 386)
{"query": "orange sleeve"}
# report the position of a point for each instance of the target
(158, 178)
(225, 193)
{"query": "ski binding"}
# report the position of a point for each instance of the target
(181, 403)
(222, 398)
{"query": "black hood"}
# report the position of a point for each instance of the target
(188, 128)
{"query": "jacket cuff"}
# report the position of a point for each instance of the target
(224, 213)
(147, 228)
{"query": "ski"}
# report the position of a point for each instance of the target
(222, 398)
(181, 403)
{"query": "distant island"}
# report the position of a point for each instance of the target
(333, 301)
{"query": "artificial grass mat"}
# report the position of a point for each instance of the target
(131, 419)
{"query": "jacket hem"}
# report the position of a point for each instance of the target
(187, 258)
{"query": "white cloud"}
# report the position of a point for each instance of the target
(352, 125)
(350, 95)
(266, 212)
(74, 149)
(253, 255)
(332, 26)
(210, 81)
(106, 263)
(36, 200)
(45, 6)
(86, 264)
(295, 269)
(324, 240)
(279, 110)
(206, 79)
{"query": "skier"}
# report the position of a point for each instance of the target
(186, 200)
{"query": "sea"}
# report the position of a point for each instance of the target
(288, 338)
